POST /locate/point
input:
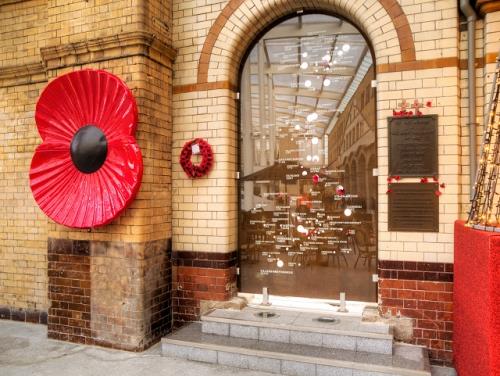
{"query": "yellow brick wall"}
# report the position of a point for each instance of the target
(23, 31)
(73, 21)
(434, 28)
(32, 36)
(440, 86)
(23, 229)
(205, 210)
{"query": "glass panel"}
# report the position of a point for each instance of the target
(308, 200)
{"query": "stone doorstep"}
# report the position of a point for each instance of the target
(190, 343)
(354, 341)
(297, 317)
(367, 333)
(345, 335)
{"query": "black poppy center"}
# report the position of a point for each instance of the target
(89, 149)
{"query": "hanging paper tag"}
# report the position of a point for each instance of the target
(195, 149)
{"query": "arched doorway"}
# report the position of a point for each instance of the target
(307, 109)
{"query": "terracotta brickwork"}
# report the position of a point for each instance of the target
(423, 292)
(392, 8)
(89, 305)
(133, 310)
(201, 276)
(69, 290)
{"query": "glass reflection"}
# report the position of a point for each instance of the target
(308, 200)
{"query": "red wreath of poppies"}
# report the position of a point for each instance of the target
(89, 167)
(207, 158)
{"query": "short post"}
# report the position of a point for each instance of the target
(342, 307)
(265, 297)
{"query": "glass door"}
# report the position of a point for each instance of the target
(308, 198)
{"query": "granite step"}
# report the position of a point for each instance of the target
(301, 328)
(292, 359)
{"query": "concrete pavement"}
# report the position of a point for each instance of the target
(25, 350)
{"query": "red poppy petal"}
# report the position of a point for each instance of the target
(53, 120)
(58, 107)
(78, 202)
(52, 176)
(86, 97)
(73, 198)
(120, 176)
(64, 193)
(119, 115)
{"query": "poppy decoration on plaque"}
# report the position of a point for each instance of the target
(88, 168)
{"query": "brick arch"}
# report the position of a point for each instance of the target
(384, 22)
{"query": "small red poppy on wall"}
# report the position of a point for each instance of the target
(88, 168)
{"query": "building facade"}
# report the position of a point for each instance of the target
(176, 250)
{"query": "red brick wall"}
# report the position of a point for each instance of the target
(110, 294)
(69, 290)
(413, 291)
(201, 276)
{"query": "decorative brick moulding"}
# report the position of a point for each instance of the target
(422, 291)
(109, 293)
(201, 276)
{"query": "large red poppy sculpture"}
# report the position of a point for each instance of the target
(89, 167)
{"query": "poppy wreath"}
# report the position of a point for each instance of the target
(88, 168)
(207, 158)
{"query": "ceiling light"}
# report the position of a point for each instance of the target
(304, 65)
(326, 58)
(301, 229)
(312, 116)
(340, 53)
(347, 212)
(304, 54)
(315, 158)
(309, 159)
(304, 173)
(307, 83)
(297, 127)
(280, 263)
(346, 47)
(315, 140)
(327, 82)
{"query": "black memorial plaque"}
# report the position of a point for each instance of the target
(413, 146)
(414, 207)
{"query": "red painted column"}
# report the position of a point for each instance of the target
(476, 317)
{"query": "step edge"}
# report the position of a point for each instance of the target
(300, 358)
(424, 351)
(298, 328)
